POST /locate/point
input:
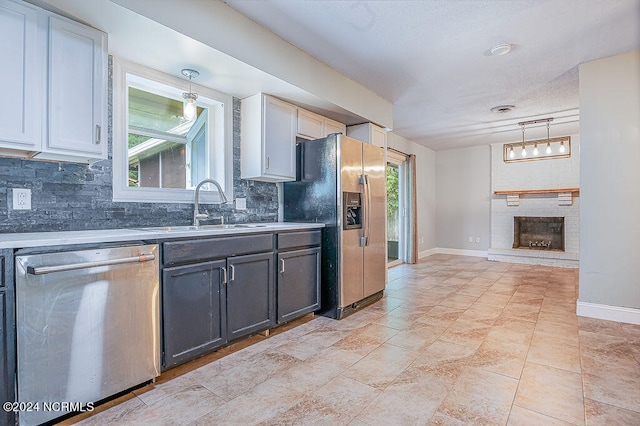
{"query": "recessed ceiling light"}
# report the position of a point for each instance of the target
(500, 49)
(502, 108)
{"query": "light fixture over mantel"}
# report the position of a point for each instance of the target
(559, 147)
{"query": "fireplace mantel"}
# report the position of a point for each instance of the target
(539, 191)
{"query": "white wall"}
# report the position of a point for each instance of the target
(610, 183)
(425, 188)
(463, 198)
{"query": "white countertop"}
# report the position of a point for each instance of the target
(56, 238)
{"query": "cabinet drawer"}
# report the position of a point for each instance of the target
(193, 251)
(291, 240)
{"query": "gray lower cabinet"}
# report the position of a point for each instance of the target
(298, 283)
(7, 339)
(250, 294)
(215, 291)
(194, 311)
(298, 274)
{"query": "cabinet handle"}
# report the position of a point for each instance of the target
(98, 134)
(281, 266)
(267, 162)
(233, 273)
(224, 275)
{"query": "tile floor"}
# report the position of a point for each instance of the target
(456, 340)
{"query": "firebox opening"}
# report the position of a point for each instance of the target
(538, 233)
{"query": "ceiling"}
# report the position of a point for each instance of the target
(431, 58)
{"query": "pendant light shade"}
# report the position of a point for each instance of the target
(190, 110)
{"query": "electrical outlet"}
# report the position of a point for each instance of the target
(241, 203)
(477, 240)
(421, 240)
(21, 198)
(470, 239)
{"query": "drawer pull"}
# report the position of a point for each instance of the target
(224, 275)
(281, 266)
(233, 273)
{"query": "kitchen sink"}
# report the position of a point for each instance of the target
(183, 228)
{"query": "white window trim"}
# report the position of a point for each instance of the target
(220, 157)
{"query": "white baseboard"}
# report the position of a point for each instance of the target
(458, 252)
(608, 312)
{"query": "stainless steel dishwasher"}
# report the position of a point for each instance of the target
(87, 325)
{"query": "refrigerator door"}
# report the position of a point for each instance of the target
(351, 289)
(375, 256)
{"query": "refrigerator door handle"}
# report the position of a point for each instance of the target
(367, 225)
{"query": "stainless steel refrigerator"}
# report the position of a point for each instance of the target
(341, 183)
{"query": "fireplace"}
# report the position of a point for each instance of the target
(538, 233)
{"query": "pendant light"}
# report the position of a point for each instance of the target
(535, 149)
(524, 150)
(562, 149)
(190, 110)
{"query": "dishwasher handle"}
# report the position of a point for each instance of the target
(42, 270)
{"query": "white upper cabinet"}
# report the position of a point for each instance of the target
(310, 125)
(331, 126)
(314, 126)
(77, 86)
(20, 75)
(53, 80)
(369, 133)
(268, 139)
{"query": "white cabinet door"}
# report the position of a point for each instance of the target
(369, 133)
(279, 139)
(267, 139)
(310, 125)
(331, 126)
(20, 77)
(378, 136)
(77, 89)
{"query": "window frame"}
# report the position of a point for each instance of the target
(220, 130)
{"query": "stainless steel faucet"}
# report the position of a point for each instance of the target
(197, 216)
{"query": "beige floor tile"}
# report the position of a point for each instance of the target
(124, 413)
(308, 411)
(500, 356)
(412, 398)
(480, 397)
(313, 342)
(551, 391)
(233, 382)
(615, 382)
(600, 414)
(555, 352)
(466, 332)
(365, 339)
(440, 316)
(417, 338)
(522, 417)
(381, 366)
(346, 396)
(185, 406)
(524, 311)
(444, 361)
(458, 301)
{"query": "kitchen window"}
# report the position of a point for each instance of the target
(158, 155)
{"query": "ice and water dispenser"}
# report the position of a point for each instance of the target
(351, 210)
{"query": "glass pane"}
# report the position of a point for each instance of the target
(156, 163)
(393, 222)
(164, 149)
(155, 112)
